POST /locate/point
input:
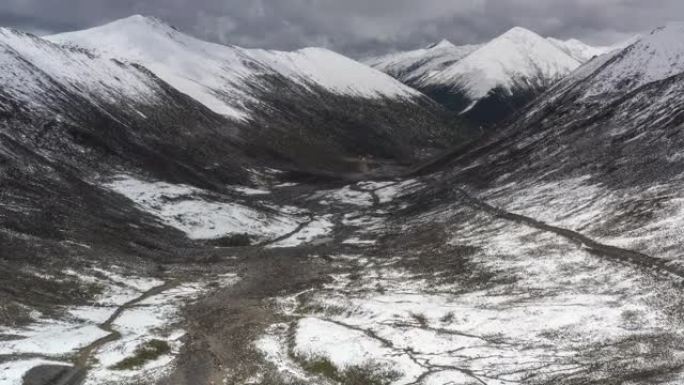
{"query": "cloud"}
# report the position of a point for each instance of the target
(355, 27)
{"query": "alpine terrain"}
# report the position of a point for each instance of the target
(487, 83)
(174, 211)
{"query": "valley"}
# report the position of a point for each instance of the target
(174, 211)
(396, 287)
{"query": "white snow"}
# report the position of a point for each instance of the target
(412, 65)
(117, 289)
(578, 50)
(29, 65)
(273, 346)
(318, 228)
(190, 210)
(203, 71)
(249, 190)
(93, 314)
(286, 184)
(592, 209)
(653, 57)
(51, 338)
(346, 348)
(155, 317)
(517, 57)
(80, 327)
(221, 77)
(392, 191)
(543, 292)
(359, 241)
(345, 195)
(334, 72)
(12, 372)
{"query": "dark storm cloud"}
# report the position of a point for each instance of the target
(356, 27)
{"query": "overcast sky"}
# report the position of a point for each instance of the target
(355, 27)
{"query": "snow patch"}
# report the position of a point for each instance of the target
(12, 372)
(318, 228)
(190, 210)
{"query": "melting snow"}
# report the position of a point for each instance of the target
(185, 208)
(318, 228)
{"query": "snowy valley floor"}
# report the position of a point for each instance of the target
(370, 283)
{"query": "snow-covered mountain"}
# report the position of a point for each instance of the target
(222, 77)
(141, 242)
(655, 56)
(486, 83)
(499, 77)
(651, 58)
(600, 152)
(579, 50)
(29, 63)
(408, 66)
(616, 121)
(518, 57)
(282, 101)
(73, 106)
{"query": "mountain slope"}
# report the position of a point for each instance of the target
(65, 101)
(68, 120)
(600, 151)
(500, 77)
(518, 56)
(487, 83)
(565, 224)
(409, 66)
(219, 76)
(578, 50)
(338, 109)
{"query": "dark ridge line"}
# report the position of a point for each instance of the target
(594, 247)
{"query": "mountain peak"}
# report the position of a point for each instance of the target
(135, 25)
(442, 44)
(518, 56)
(653, 57)
(671, 27)
(668, 34)
(519, 32)
(665, 40)
(139, 20)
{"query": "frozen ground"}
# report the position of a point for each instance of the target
(202, 215)
(497, 303)
(386, 283)
(643, 219)
(154, 318)
(128, 312)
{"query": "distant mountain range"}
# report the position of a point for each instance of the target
(488, 82)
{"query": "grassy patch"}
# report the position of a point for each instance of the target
(370, 374)
(448, 318)
(421, 319)
(233, 240)
(321, 367)
(149, 351)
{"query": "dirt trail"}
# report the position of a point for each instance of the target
(593, 246)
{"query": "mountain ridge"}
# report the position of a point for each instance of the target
(152, 42)
(495, 79)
